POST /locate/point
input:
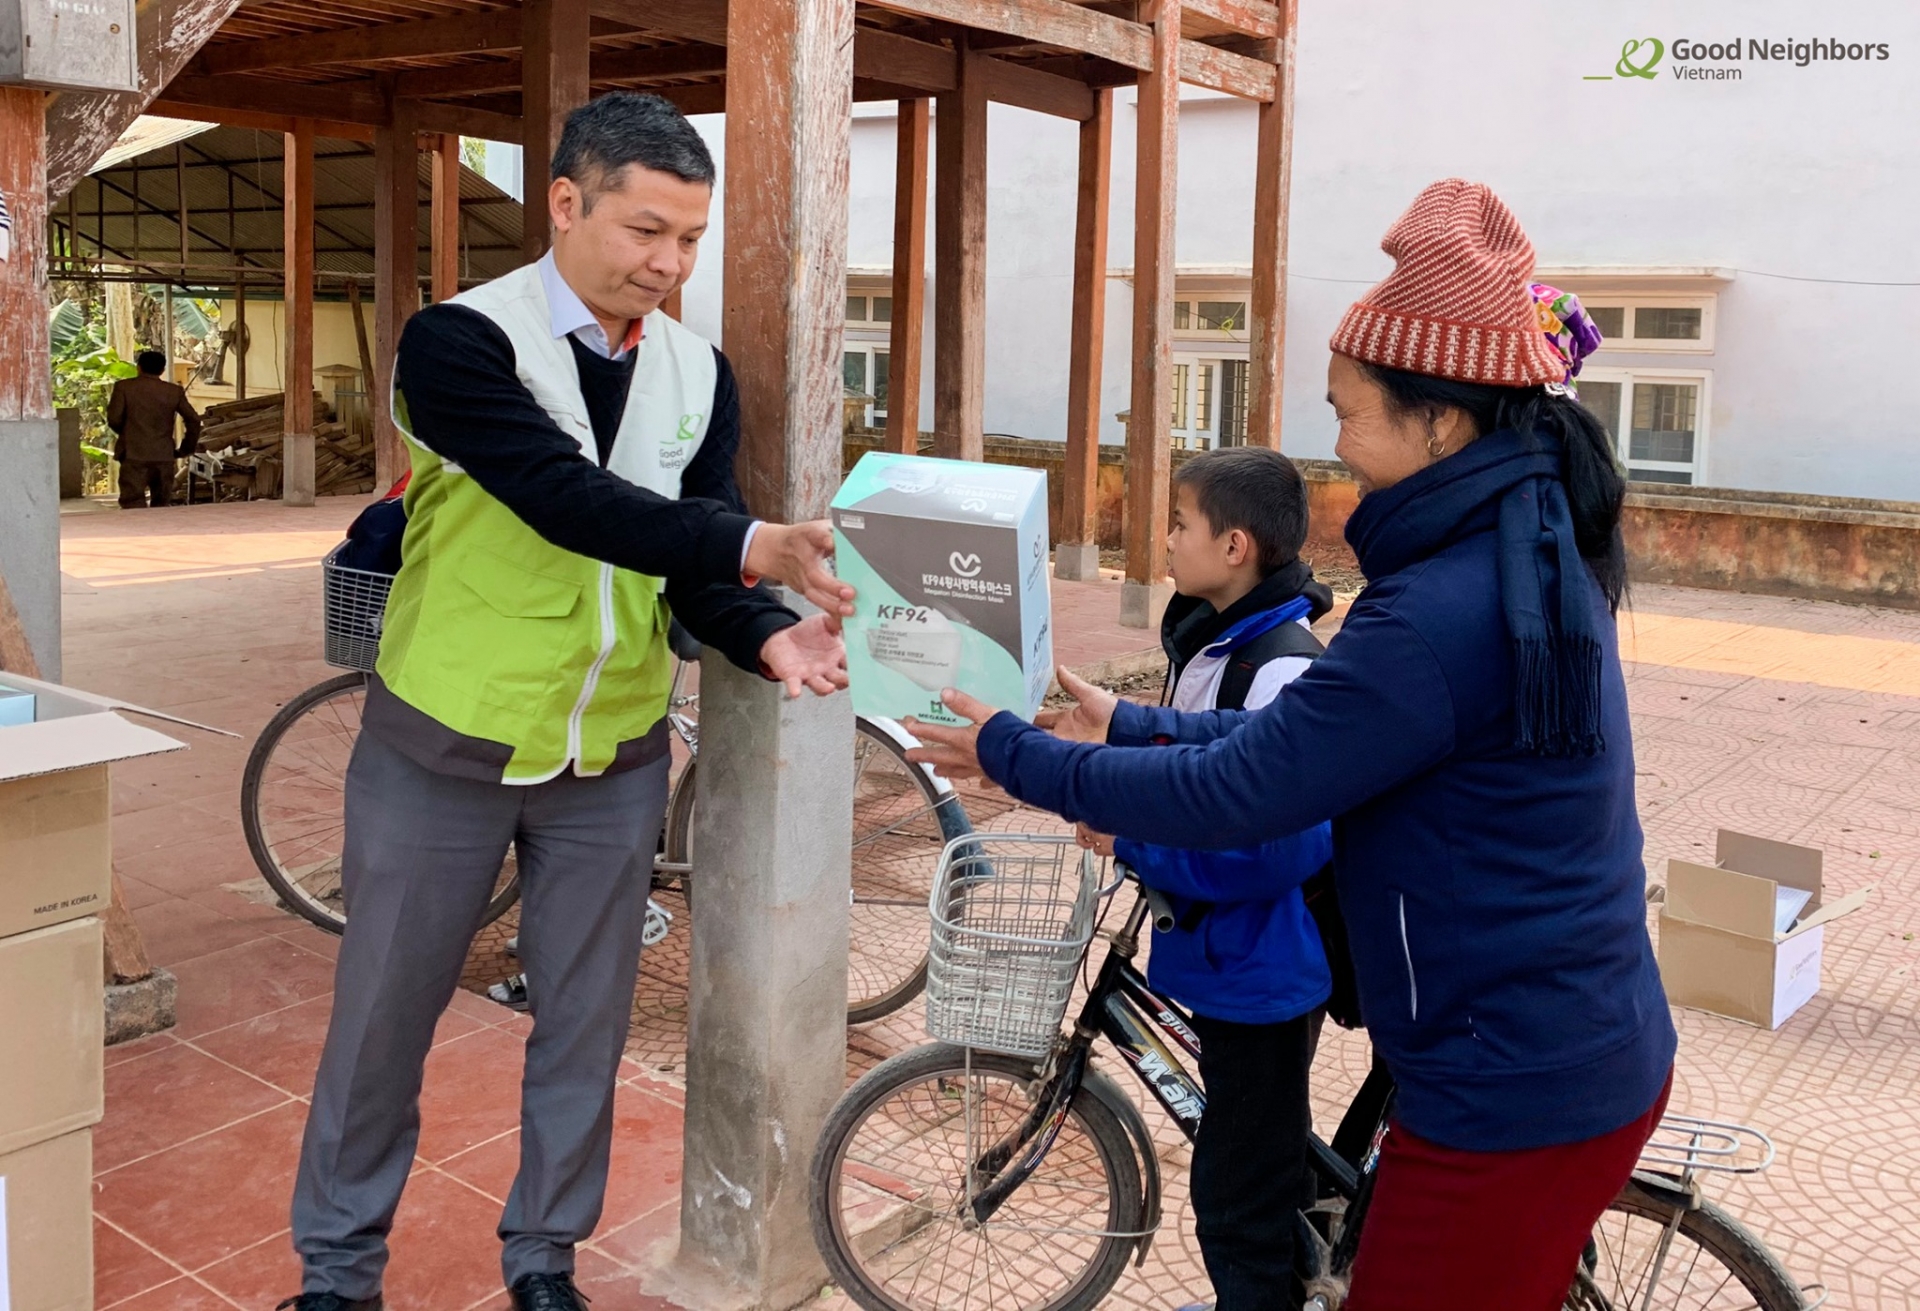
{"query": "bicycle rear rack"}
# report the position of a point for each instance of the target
(1691, 1145)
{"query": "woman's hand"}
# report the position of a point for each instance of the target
(1085, 722)
(1100, 844)
(954, 753)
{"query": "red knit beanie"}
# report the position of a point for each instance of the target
(1457, 303)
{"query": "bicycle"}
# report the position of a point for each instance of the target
(998, 1168)
(292, 804)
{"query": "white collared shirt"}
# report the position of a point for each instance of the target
(571, 317)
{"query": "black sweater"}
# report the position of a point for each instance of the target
(466, 404)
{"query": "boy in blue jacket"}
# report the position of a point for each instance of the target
(1244, 955)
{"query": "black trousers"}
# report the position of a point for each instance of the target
(1249, 1161)
(141, 478)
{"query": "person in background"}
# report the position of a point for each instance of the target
(1243, 955)
(572, 490)
(1467, 733)
(141, 411)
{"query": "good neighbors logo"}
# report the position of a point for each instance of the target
(1642, 59)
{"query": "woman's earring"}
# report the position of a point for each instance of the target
(1436, 445)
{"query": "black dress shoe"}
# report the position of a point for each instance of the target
(547, 1293)
(330, 1302)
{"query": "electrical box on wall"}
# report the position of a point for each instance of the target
(68, 44)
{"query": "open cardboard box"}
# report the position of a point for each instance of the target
(56, 851)
(46, 1225)
(1722, 948)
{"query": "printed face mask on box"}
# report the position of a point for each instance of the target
(949, 562)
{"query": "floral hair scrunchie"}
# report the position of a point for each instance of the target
(1568, 329)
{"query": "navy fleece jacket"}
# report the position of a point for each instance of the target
(1495, 898)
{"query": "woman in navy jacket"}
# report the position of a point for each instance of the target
(1467, 734)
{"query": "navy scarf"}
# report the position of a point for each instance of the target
(1511, 482)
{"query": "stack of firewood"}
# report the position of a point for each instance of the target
(246, 436)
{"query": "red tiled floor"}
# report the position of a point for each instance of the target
(269, 973)
(283, 1046)
(180, 1295)
(209, 1198)
(192, 866)
(162, 1099)
(642, 1242)
(261, 1275)
(471, 1094)
(445, 1253)
(123, 1268)
(138, 1047)
(176, 930)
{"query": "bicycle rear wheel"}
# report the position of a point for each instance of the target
(902, 820)
(293, 803)
(1642, 1260)
(891, 1181)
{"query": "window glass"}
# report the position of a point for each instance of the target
(1610, 319)
(1223, 315)
(1233, 402)
(879, 382)
(1182, 314)
(853, 371)
(1666, 323)
(1179, 396)
(1603, 399)
(883, 309)
(856, 309)
(1203, 401)
(1663, 422)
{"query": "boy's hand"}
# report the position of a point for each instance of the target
(797, 555)
(808, 654)
(953, 752)
(1086, 722)
(1100, 844)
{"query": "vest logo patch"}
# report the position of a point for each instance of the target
(689, 427)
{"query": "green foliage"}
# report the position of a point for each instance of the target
(67, 321)
(473, 153)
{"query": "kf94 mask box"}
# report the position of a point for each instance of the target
(948, 560)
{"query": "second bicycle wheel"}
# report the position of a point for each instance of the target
(902, 820)
(293, 799)
(1647, 1256)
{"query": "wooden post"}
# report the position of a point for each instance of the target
(908, 332)
(240, 342)
(445, 225)
(1078, 554)
(1273, 172)
(26, 378)
(960, 264)
(671, 305)
(556, 38)
(296, 373)
(766, 991)
(1150, 421)
(396, 275)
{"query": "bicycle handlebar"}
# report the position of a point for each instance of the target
(1162, 910)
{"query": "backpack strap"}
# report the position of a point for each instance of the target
(1277, 643)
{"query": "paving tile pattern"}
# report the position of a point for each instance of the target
(1796, 720)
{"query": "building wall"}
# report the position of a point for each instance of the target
(334, 342)
(1796, 178)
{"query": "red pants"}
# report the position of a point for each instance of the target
(1487, 1231)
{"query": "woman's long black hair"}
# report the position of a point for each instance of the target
(1596, 487)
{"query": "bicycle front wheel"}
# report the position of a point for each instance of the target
(895, 1169)
(293, 798)
(1648, 1255)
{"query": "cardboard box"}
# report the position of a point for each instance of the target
(46, 1226)
(55, 1028)
(1731, 939)
(949, 561)
(56, 852)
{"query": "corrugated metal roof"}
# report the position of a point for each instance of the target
(233, 196)
(149, 132)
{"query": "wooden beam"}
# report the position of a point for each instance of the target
(358, 101)
(891, 57)
(671, 305)
(357, 307)
(26, 377)
(396, 277)
(1078, 555)
(445, 223)
(1044, 93)
(1272, 190)
(241, 342)
(1222, 70)
(785, 289)
(1252, 17)
(558, 35)
(466, 121)
(1149, 424)
(492, 29)
(690, 20)
(960, 265)
(1050, 22)
(333, 129)
(907, 334)
(296, 372)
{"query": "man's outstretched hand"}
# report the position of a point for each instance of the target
(953, 752)
(1085, 722)
(808, 654)
(800, 556)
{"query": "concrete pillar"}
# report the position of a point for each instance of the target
(30, 538)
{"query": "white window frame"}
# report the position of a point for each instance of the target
(1190, 337)
(868, 337)
(1627, 377)
(1707, 305)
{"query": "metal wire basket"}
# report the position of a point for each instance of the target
(354, 610)
(1012, 916)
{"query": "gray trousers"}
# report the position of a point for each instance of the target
(421, 856)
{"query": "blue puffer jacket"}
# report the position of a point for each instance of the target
(1245, 948)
